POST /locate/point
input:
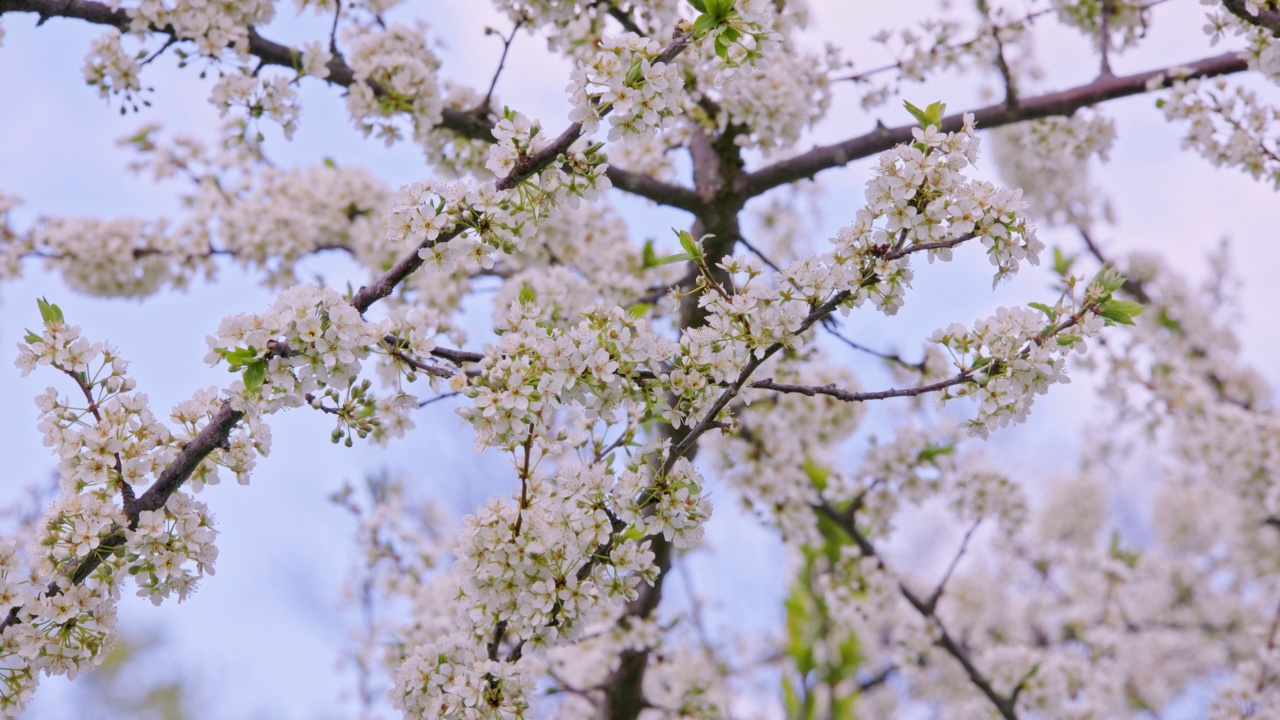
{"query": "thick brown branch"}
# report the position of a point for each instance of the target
(210, 438)
(1268, 19)
(1064, 102)
(645, 186)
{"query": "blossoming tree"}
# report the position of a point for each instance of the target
(626, 376)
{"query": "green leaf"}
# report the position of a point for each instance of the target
(1167, 322)
(1048, 311)
(648, 258)
(722, 47)
(1120, 311)
(935, 112)
(818, 474)
(698, 5)
(254, 375)
(703, 25)
(932, 452)
(920, 115)
(240, 356)
(931, 115)
(691, 247)
(719, 9)
(32, 338)
(527, 295)
(639, 310)
(1108, 279)
(50, 313)
(330, 163)
(1062, 262)
(634, 73)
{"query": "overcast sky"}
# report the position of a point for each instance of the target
(265, 624)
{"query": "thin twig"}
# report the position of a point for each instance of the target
(484, 107)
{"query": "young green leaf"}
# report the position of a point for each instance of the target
(1120, 311)
(50, 313)
(1062, 262)
(920, 115)
(254, 375)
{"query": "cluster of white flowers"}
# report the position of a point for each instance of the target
(642, 94)
(214, 26)
(273, 97)
(496, 220)
(1229, 126)
(921, 200)
(267, 219)
(577, 261)
(452, 154)
(1262, 48)
(165, 541)
(315, 60)
(311, 339)
(1049, 160)
(124, 257)
(598, 367)
(59, 614)
(1121, 23)
(776, 102)
(110, 68)
(398, 61)
(1012, 357)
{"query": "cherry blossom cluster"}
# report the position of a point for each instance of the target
(642, 93)
(1229, 126)
(1015, 355)
(398, 62)
(1262, 48)
(919, 200)
(537, 571)
(310, 340)
(596, 368)
(746, 321)
(213, 26)
(918, 51)
(776, 102)
(577, 260)
(452, 154)
(1049, 160)
(273, 97)
(112, 70)
(59, 613)
(1119, 24)
(488, 218)
(266, 218)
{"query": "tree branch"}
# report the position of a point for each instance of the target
(475, 124)
(1064, 102)
(1268, 19)
(845, 395)
(1006, 706)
